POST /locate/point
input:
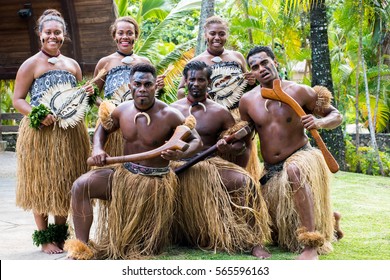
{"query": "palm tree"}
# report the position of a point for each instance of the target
(321, 67)
(207, 11)
(370, 122)
(364, 42)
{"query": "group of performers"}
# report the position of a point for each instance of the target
(225, 202)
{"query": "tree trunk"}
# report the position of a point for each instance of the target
(359, 54)
(370, 125)
(207, 10)
(246, 12)
(321, 73)
(378, 87)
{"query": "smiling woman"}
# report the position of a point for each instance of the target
(45, 188)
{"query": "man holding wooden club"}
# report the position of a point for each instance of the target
(220, 205)
(295, 183)
(138, 196)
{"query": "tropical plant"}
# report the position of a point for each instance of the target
(6, 91)
(365, 161)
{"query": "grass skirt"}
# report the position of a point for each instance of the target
(279, 198)
(137, 221)
(48, 162)
(211, 218)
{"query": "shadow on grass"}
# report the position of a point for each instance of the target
(184, 253)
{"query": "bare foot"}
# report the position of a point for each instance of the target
(51, 248)
(308, 254)
(337, 230)
(260, 252)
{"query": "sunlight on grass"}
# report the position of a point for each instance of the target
(364, 203)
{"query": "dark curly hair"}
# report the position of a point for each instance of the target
(259, 49)
(197, 65)
(144, 68)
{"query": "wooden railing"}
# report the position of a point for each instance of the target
(16, 117)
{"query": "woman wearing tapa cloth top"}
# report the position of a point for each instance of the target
(51, 158)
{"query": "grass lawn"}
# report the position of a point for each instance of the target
(364, 203)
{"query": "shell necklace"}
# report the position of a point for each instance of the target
(53, 59)
(217, 56)
(127, 59)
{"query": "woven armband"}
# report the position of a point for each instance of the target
(313, 239)
(78, 250)
(105, 110)
(324, 98)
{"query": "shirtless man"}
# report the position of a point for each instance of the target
(295, 184)
(141, 194)
(205, 184)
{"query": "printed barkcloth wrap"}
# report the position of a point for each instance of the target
(146, 170)
(48, 79)
(115, 78)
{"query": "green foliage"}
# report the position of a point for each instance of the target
(6, 90)
(6, 94)
(91, 98)
(37, 115)
(91, 117)
(367, 160)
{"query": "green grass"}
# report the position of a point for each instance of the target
(364, 203)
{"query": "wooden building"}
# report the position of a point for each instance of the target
(88, 23)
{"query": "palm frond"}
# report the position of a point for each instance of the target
(176, 13)
(148, 5)
(122, 7)
(178, 58)
(383, 115)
